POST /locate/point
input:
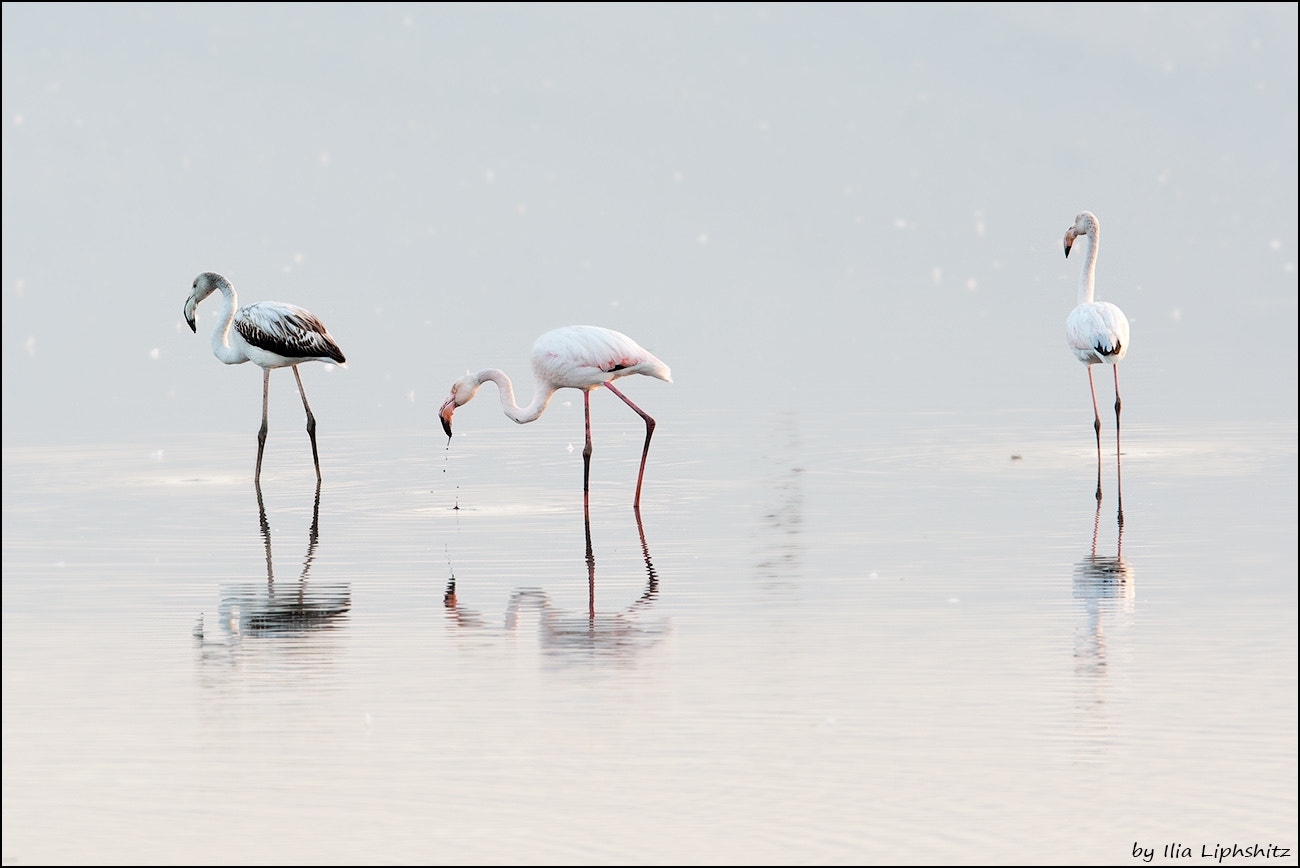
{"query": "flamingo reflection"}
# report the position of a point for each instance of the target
(1105, 585)
(616, 633)
(291, 608)
(1102, 577)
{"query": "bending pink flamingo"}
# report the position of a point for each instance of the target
(575, 357)
(1096, 330)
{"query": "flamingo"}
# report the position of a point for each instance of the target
(574, 357)
(1096, 330)
(270, 334)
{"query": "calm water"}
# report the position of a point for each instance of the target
(911, 639)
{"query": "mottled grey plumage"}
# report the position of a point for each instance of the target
(286, 330)
(270, 334)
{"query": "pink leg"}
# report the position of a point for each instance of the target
(649, 432)
(586, 450)
(1096, 426)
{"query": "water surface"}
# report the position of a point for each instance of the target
(814, 645)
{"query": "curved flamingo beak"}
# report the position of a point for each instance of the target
(190, 305)
(1070, 235)
(445, 414)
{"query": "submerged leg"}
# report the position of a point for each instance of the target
(311, 421)
(266, 533)
(1096, 426)
(261, 434)
(313, 534)
(591, 565)
(653, 587)
(649, 432)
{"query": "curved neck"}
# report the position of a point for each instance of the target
(221, 347)
(541, 396)
(1086, 275)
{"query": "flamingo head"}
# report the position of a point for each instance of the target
(445, 414)
(461, 391)
(1085, 224)
(204, 285)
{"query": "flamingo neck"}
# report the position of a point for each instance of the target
(221, 347)
(541, 397)
(1088, 272)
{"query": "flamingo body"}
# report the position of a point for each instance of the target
(584, 357)
(275, 334)
(270, 334)
(1097, 331)
(574, 357)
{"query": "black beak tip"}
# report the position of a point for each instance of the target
(446, 427)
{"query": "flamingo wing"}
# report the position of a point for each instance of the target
(586, 356)
(286, 330)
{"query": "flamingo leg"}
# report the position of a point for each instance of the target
(591, 566)
(311, 421)
(586, 450)
(1096, 426)
(649, 432)
(313, 534)
(266, 533)
(653, 586)
(261, 434)
(1118, 471)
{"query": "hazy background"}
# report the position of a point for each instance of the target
(793, 205)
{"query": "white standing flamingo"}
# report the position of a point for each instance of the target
(270, 334)
(575, 357)
(1097, 330)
